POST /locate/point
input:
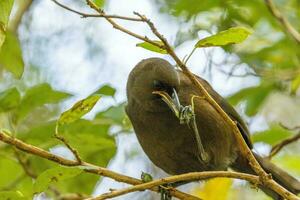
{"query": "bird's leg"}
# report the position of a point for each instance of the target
(163, 189)
(165, 192)
(186, 115)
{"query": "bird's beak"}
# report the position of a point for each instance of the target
(172, 102)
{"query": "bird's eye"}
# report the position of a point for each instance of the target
(158, 84)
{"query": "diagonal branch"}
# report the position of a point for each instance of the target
(275, 149)
(284, 22)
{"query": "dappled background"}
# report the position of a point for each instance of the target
(51, 58)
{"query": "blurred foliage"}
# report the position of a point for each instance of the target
(11, 55)
(28, 112)
(99, 3)
(272, 136)
(269, 47)
(91, 138)
(10, 52)
(270, 51)
(54, 175)
(31, 110)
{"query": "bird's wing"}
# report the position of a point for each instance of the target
(231, 112)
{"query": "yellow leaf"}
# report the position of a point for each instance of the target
(214, 189)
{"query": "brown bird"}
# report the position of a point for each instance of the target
(179, 147)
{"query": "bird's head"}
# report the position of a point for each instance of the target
(148, 76)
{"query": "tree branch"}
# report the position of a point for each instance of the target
(275, 149)
(193, 176)
(23, 6)
(90, 168)
(85, 15)
(63, 140)
(284, 22)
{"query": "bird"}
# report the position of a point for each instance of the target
(177, 147)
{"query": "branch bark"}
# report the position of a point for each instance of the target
(23, 6)
(194, 176)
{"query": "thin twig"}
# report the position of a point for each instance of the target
(275, 149)
(189, 56)
(120, 28)
(88, 167)
(74, 151)
(85, 15)
(284, 22)
(63, 140)
(289, 128)
(193, 176)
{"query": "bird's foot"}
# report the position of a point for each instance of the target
(186, 114)
(165, 192)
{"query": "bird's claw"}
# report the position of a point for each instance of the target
(165, 192)
(186, 115)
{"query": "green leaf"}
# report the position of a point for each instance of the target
(11, 55)
(2, 37)
(295, 85)
(288, 162)
(37, 96)
(230, 36)
(146, 177)
(253, 96)
(152, 47)
(9, 99)
(10, 169)
(54, 175)
(106, 90)
(114, 113)
(99, 3)
(11, 195)
(272, 136)
(5, 9)
(91, 140)
(78, 109)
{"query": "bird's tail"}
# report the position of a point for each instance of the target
(279, 175)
